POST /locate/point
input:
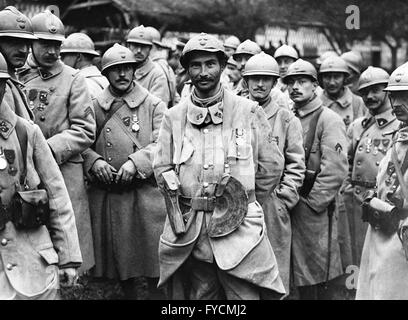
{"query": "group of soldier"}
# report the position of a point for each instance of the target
(230, 174)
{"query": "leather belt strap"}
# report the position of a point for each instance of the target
(206, 203)
(365, 184)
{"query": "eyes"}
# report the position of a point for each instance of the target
(208, 64)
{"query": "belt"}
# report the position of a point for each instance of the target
(206, 203)
(365, 184)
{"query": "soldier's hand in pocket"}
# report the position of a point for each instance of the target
(103, 171)
(68, 277)
(126, 172)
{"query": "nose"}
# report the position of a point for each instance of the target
(51, 50)
(23, 48)
(260, 82)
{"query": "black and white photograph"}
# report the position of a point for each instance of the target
(203, 153)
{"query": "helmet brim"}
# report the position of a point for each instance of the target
(184, 57)
(21, 35)
(286, 78)
(52, 37)
(4, 75)
(90, 52)
(369, 84)
(397, 88)
(105, 68)
(149, 43)
(260, 73)
(287, 56)
(347, 73)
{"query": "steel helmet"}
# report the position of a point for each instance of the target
(232, 42)
(78, 43)
(286, 51)
(231, 61)
(354, 60)
(326, 55)
(398, 80)
(261, 64)
(140, 35)
(155, 36)
(15, 24)
(202, 42)
(334, 64)
(48, 26)
(373, 76)
(300, 68)
(3, 68)
(116, 55)
(248, 47)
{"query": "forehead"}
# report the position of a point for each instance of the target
(285, 59)
(375, 87)
(261, 76)
(202, 56)
(139, 45)
(333, 74)
(46, 43)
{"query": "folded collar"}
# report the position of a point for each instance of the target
(344, 101)
(196, 115)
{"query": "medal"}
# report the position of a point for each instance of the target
(135, 125)
(3, 161)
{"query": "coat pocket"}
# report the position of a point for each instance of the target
(186, 152)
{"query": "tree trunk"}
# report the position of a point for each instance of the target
(394, 56)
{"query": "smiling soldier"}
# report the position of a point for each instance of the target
(211, 151)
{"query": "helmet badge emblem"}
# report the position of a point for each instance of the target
(398, 77)
(21, 22)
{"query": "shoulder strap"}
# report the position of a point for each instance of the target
(21, 132)
(103, 117)
(400, 170)
(311, 133)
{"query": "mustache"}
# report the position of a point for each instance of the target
(371, 101)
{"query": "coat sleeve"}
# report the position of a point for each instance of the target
(62, 225)
(163, 157)
(294, 171)
(143, 158)
(81, 133)
(333, 163)
(266, 153)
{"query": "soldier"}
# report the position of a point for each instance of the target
(315, 249)
(230, 45)
(214, 145)
(233, 73)
(148, 74)
(159, 56)
(336, 95)
(261, 73)
(354, 62)
(64, 112)
(384, 269)
(78, 51)
(32, 255)
(368, 145)
(324, 56)
(16, 34)
(285, 56)
(245, 51)
(127, 208)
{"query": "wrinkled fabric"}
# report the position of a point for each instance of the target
(127, 225)
(200, 152)
(29, 257)
(310, 216)
(383, 271)
(64, 112)
(370, 148)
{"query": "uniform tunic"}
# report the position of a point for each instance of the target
(171, 80)
(310, 222)
(127, 225)
(63, 110)
(95, 81)
(245, 253)
(384, 267)
(16, 99)
(29, 257)
(151, 77)
(276, 202)
(367, 147)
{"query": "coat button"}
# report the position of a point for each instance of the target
(205, 184)
(359, 163)
(360, 148)
(4, 242)
(42, 118)
(358, 190)
(9, 266)
(206, 166)
(108, 129)
(377, 163)
(109, 144)
(226, 165)
(210, 163)
(109, 159)
(205, 130)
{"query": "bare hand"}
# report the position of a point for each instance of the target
(103, 171)
(126, 172)
(68, 277)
